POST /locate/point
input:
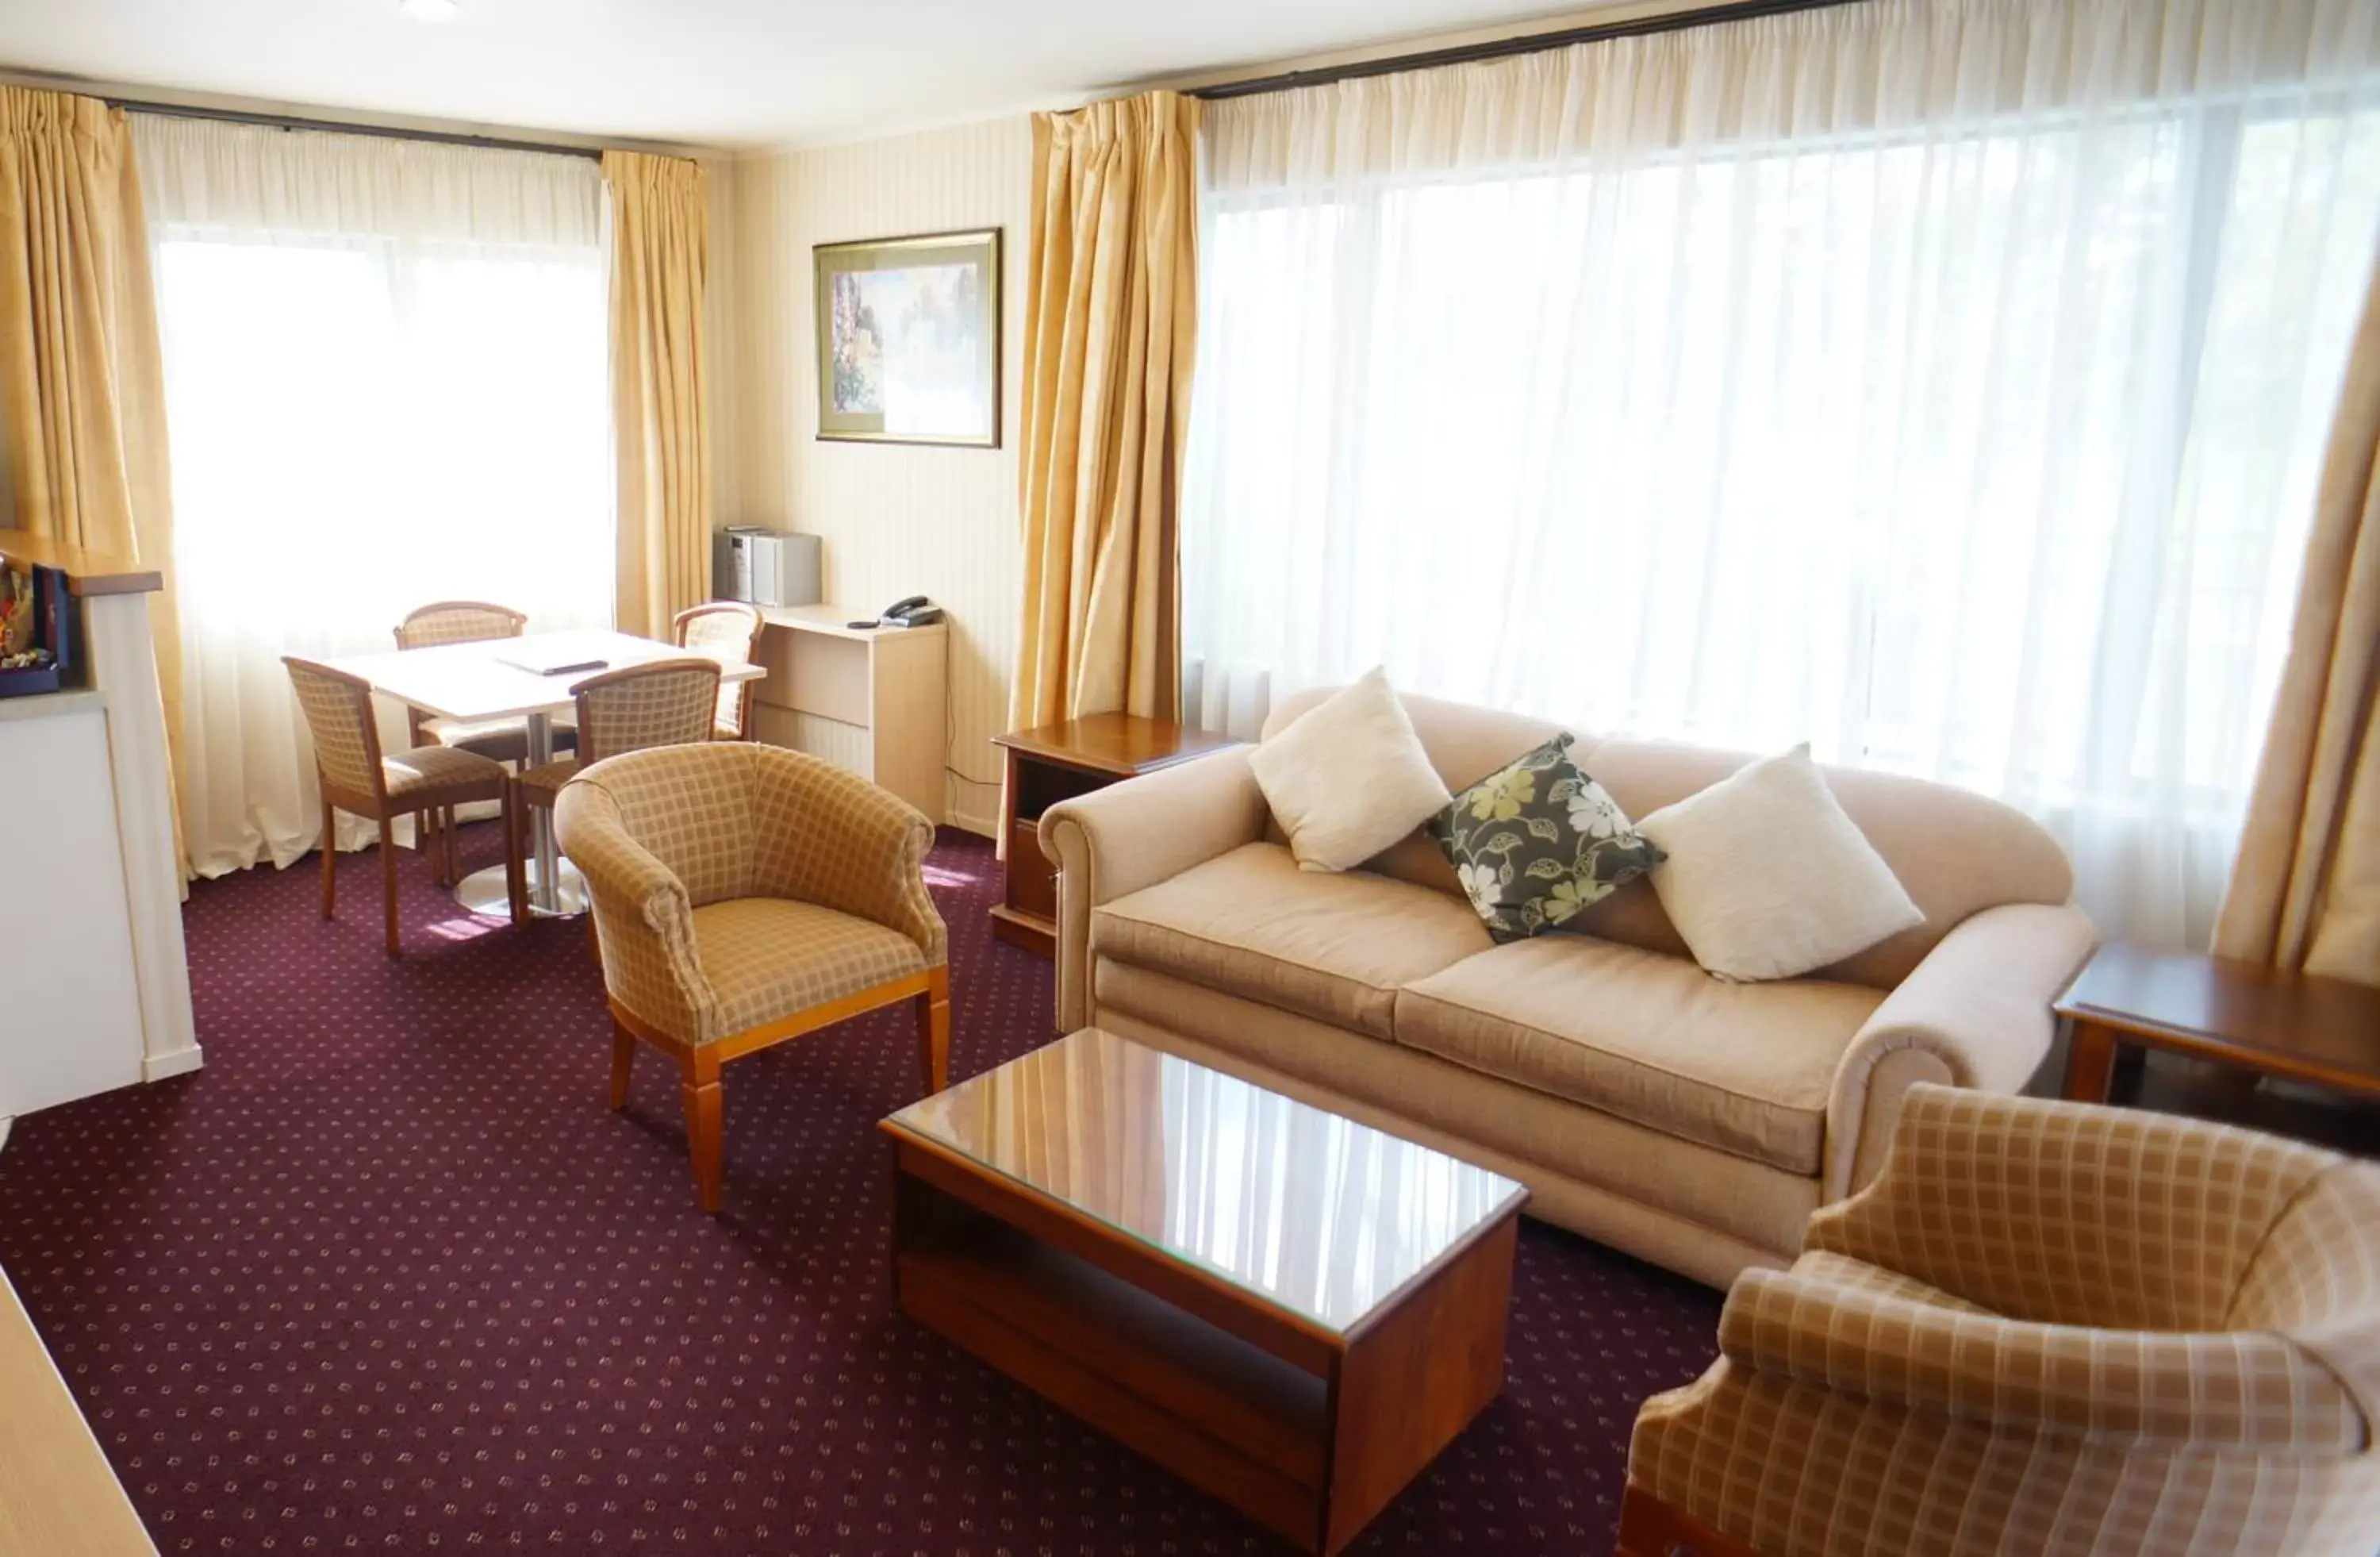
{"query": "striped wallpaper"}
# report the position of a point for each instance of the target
(896, 520)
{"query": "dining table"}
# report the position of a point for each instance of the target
(529, 679)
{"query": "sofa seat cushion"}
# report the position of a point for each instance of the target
(1335, 947)
(1650, 1038)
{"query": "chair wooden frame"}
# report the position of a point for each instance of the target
(437, 847)
(1649, 1527)
(684, 622)
(510, 747)
(698, 1064)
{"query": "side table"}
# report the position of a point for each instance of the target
(2299, 1025)
(1054, 763)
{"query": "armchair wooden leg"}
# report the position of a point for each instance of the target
(934, 1030)
(623, 1061)
(1649, 1527)
(388, 880)
(330, 856)
(699, 1084)
(450, 848)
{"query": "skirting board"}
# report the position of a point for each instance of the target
(181, 1062)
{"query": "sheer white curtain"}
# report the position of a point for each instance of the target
(1940, 381)
(385, 385)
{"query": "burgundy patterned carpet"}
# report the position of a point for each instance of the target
(385, 1276)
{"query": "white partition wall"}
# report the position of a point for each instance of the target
(94, 982)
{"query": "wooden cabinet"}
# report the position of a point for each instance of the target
(871, 699)
(1056, 763)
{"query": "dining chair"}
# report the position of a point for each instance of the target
(503, 740)
(746, 895)
(728, 631)
(663, 702)
(355, 777)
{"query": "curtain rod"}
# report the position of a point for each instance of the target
(390, 132)
(1504, 48)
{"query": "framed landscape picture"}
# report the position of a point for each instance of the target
(908, 339)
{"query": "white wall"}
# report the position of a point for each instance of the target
(897, 520)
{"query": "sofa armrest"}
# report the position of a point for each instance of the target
(2247, 1391)
(1975, 1013)
(1134, 834)
(644, 919)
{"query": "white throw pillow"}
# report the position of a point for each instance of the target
(1348, 777)
(1768, 878)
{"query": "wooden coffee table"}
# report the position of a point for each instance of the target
(1288, 1309)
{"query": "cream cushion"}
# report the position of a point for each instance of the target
(1767, 877)
(1333, 947)
(766, 957)
(1746, 1069)
(1955, 852)
(1349, 778)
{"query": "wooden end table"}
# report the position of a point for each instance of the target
(1054, 763)
(2299, 1025)
(1206, 1270)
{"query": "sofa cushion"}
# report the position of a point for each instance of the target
(1336, 947)
(1348, 778)
(1768, 878)
(1653, 1039)
(1537, 840)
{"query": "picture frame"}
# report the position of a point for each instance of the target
(908, 336)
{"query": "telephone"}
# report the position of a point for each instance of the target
(915, 610)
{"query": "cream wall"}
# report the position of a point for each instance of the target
(896, 520)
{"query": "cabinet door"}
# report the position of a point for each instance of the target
(72, 1026)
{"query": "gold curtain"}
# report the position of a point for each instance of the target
(660, 396)
(82, 379)
(1110, 312)
(2305, 892)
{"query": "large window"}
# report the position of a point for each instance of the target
(386, 384)
(1976, 441)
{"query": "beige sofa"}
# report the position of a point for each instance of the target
(1692, 1122)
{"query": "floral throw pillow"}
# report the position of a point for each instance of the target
(1537, 841)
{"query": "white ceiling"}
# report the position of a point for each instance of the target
(737, 73)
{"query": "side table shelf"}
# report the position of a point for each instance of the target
(1055, 762)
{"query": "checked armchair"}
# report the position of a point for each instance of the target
(743, 895)
(2047, 1328)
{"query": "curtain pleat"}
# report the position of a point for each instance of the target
(2305, 892)
(83, 386)
(1110, 315)
(659, 397)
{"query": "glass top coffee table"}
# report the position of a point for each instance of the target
(1290, 1310)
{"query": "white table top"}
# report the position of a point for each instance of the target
(469, 682)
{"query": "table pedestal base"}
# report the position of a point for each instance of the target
(482, 891)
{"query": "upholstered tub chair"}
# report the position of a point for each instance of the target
(2048, 1329)
(743, 895)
